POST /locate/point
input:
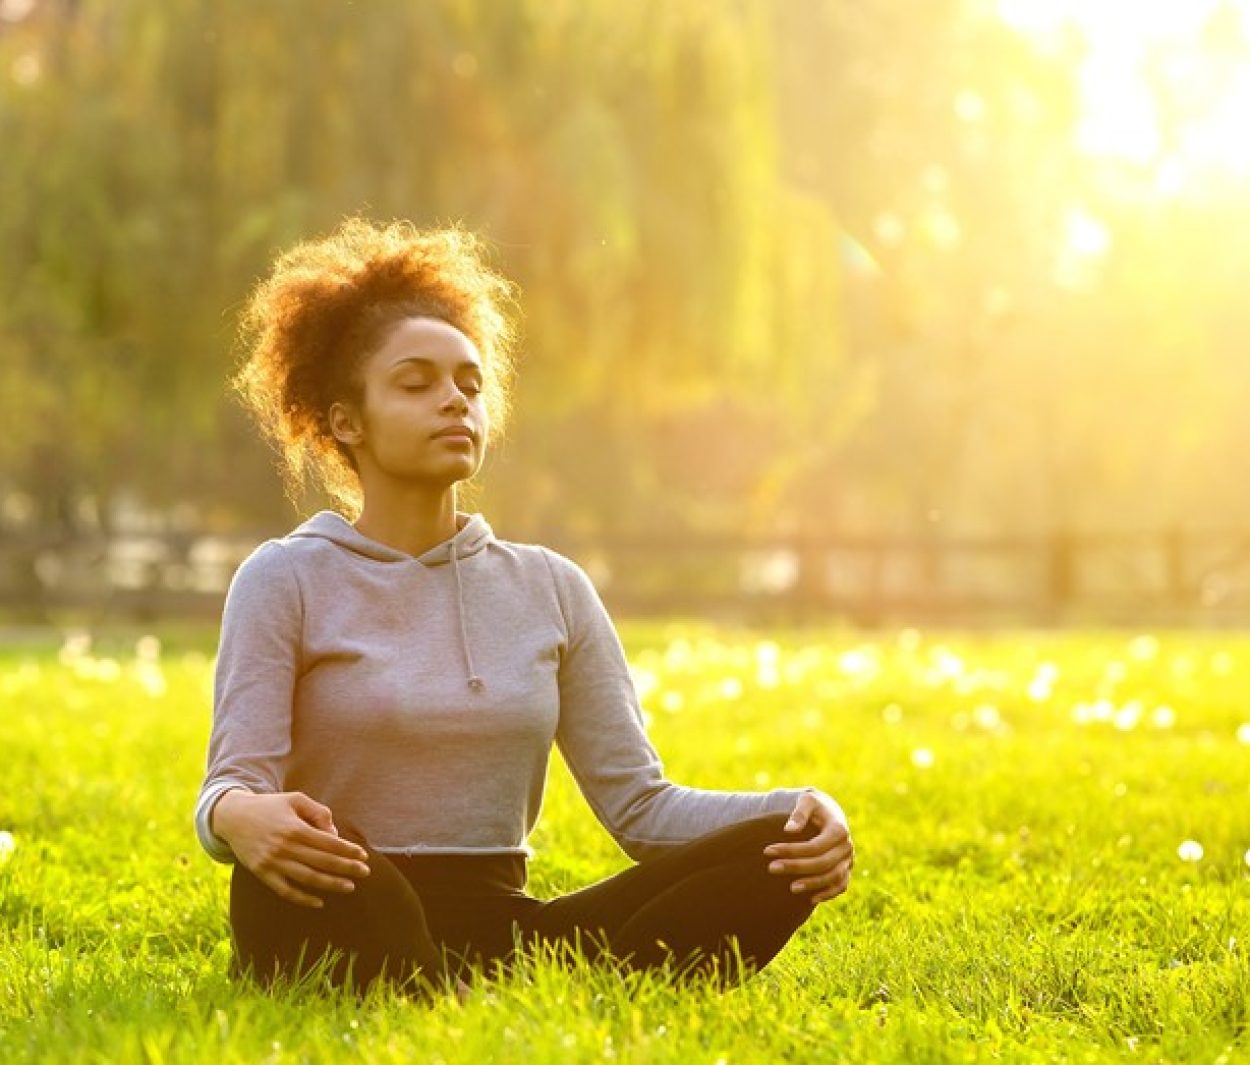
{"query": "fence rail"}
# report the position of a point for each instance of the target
(1162, 577)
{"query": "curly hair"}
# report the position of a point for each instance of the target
(308, 327)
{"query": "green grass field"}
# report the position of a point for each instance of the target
(1053, 838)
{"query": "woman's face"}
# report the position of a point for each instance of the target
(424, 418)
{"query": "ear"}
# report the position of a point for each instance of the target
(345, 424)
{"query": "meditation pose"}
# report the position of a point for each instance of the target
(392, 676)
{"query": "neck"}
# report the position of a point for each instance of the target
(411, 518)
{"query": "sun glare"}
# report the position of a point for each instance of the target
(1163, 84)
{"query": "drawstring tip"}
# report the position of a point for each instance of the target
(476, 684)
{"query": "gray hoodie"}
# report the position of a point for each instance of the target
(418, 697)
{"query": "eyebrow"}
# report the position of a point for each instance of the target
(467, 364)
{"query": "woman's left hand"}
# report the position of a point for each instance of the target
(822, 863)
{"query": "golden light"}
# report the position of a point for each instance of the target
(1163, 84)
(1086, 235)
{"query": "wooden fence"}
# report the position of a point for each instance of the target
(1168, 577)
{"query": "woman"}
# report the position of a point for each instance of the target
(388, 688)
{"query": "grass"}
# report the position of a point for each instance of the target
(1019, 805)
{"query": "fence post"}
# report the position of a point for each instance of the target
(1060, 575)
(1174, 559)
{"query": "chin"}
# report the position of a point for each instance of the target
(445, 477)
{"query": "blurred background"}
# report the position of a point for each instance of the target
(864, 309)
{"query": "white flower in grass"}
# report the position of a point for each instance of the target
(767, 655)
(77, 645)
(1190, 851)
(107, 670)
(151, 679)
(922, 758)
(646, 681)
(768, 677)
(148, 648)
(672, 701)
(856, 662)
(1243, 732)
(1247, 859)
(1042, 685)
(1163, 717)
(8, 845)
(1095, 712)
(948, 664)
(1127, 717)
(987, 717)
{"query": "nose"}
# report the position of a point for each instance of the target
(455, 400)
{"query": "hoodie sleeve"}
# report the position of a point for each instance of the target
(258, 661)
(602, 738)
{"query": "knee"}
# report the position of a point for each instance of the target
(767, 829)
(752, 837)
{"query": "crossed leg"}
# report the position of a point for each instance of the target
(704, 906)
(377, 931)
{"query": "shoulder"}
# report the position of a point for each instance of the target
(571, 582)
(269, 569)
(267, 556)
(579, 599)
(536, 557)
(566, 573)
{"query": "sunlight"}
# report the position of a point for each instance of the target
(1162, 84)
(1086, 235)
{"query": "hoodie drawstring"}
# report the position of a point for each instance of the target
(475, 682)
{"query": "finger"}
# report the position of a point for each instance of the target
(800, 815)
(821, 863)
(325, 841)
(820, 881)
(834, 878)
(326, 862)
(280, 886)
(825, 896)
(302, 876)
(312, 811)
(838, 887)
(809, 848)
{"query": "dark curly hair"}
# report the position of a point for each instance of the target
(309, 325)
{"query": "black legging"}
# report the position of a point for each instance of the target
(703, 906)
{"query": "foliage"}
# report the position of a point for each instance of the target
(623, 161)
(1020, 806)
(805, 265)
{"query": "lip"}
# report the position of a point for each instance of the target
(461, 431)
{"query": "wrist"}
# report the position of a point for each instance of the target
(221, 814)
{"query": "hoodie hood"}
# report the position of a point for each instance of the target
(473, 534)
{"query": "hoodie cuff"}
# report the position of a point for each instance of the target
(216, 847)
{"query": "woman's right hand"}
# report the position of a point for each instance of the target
(289, 842)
